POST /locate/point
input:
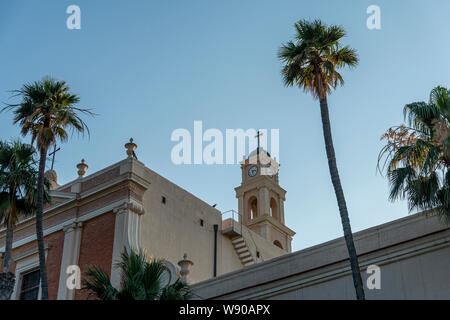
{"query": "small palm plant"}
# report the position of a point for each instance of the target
(140, 280)
(46, 112)
(416, 157)
(18, 179)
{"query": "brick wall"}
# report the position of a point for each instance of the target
(55, 242)
(96, 248)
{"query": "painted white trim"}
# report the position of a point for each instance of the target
(62, 194)
(61, 226)
(127, 234)
(44, 212)
(71, 252)
(24, 264)
(87, 193)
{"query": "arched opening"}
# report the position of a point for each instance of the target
(273, 208)
(252, 208)
(278, 244)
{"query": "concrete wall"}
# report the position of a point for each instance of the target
(413, 254)
(267, 250)
(173, 228)
(169, 230)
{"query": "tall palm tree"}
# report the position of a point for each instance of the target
(18, 178)
(416, 156)
(141, 280)
(311, 62)
(46, 111)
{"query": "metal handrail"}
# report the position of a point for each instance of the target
(234, 222)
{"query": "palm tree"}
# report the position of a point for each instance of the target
(416, 156)
(18, 178)
(46, 112)
(311, 62)
(140, 280)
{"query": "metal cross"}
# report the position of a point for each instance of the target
(53, 153)
(259, 134)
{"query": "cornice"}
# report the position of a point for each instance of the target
(275, 223)
(260, 182)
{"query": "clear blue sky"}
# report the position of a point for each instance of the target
(149, 67)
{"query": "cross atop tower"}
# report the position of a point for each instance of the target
(55, 150)
(258, 135)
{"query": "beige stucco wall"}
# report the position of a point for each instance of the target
(256, 243)
(169, 230)
(229, 260)
(413, 254)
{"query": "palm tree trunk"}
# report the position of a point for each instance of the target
(357, 281)
(7, 278)
(8, 248)
(39, 229)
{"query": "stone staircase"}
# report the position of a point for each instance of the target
(242, 250)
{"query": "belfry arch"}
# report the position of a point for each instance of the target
(274, 209)
(252, 208)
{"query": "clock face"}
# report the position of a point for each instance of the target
(253, 171)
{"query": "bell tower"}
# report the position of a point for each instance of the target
(261, 199)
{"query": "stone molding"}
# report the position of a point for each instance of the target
(127, 234)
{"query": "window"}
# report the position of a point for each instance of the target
(29, 289)
(253, 208)
(163, 200)
(27, 272)
(201, 222)
(273, 208)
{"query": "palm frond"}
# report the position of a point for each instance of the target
(312, 60)
(417, 157)
(48, 111)
(97, 282)
(140, 280)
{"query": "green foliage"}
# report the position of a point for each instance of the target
(47, 110)
(140, 280)
(311, 61)
(18, 181)
(416, 156)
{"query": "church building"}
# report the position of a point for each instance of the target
(222, 255)
(127, 206)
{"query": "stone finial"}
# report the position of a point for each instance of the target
(184, 265)
(82, 167)
(131, 146)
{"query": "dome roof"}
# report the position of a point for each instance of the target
(258, 150)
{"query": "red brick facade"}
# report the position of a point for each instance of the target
(83, 215)
(96, 248)
(54, 242)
